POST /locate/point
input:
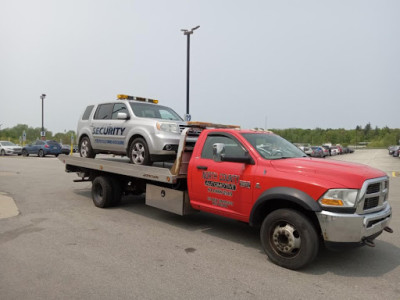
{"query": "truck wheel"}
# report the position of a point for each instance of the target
(102, 192)
(289, 239)
(85, 148)
(139, 152)
(41, 153)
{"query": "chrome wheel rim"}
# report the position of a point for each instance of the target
(138, 153)
(84, 148)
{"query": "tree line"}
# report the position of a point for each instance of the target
(367, 135)
(16, 134)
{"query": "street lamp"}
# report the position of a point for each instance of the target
(42, 134)
(188, 33)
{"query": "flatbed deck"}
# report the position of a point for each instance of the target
(120, 167)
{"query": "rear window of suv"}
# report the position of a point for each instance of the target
(104, 111)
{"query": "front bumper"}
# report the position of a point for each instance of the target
(353, 228)
(9, 151)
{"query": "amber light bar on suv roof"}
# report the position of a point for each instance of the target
(126, 97)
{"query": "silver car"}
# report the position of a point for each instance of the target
(136, 127)
(9, 148)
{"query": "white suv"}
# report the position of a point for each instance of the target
(132, 126)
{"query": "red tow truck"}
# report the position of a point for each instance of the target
(259, 178)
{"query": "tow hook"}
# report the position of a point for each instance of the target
(368, 242)
(388, 229)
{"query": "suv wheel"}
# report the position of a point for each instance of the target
(139, 152)
(85, 148)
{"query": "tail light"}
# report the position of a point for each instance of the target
(46, 146)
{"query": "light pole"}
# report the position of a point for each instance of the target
(43, 135)
(188, 33)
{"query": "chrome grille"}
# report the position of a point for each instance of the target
(371, 202)
(373, 188)
(373, 195)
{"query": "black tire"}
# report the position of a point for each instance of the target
(139, 152)
(289, 239)
(102, 192)
(25, 153)
(2, 153)
(56, 155)
(41, 153)
(85, 148)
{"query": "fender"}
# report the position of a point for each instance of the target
(269, 198)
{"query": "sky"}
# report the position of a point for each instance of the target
(271, 64)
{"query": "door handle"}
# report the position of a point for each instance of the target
(202, 167)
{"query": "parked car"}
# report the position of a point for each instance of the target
(334, 150)
(340, 149)
(396, 151)
(391, 149)
(348, 150)
(307, 150)
(326, 151)
(133, 126)
(317, 152)
(65, 149)
(42, 148)
(9, 148)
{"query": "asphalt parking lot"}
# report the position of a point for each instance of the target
(58, 245)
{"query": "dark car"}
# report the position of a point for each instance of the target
(396, 151)
(42, 148)
(65, 149)
(391, 149)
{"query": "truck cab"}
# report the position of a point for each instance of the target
(262, 179)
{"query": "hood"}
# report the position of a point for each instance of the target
(339, 173)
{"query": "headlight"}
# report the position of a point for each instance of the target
(339, 198)
(168, 127)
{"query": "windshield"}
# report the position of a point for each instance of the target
(271, 146)
(154, 111)
(7, 144)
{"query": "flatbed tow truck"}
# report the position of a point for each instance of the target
(258, 178)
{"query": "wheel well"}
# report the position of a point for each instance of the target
(81, 137)
(269, 206)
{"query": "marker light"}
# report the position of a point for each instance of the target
(126, 97)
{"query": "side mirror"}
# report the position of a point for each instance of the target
(122, 116)
(219, 155)
(218, 151)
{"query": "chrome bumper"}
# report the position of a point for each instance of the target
(353, 228)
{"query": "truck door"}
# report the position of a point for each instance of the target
(219, 187)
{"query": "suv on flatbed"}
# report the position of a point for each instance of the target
(133, 126)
